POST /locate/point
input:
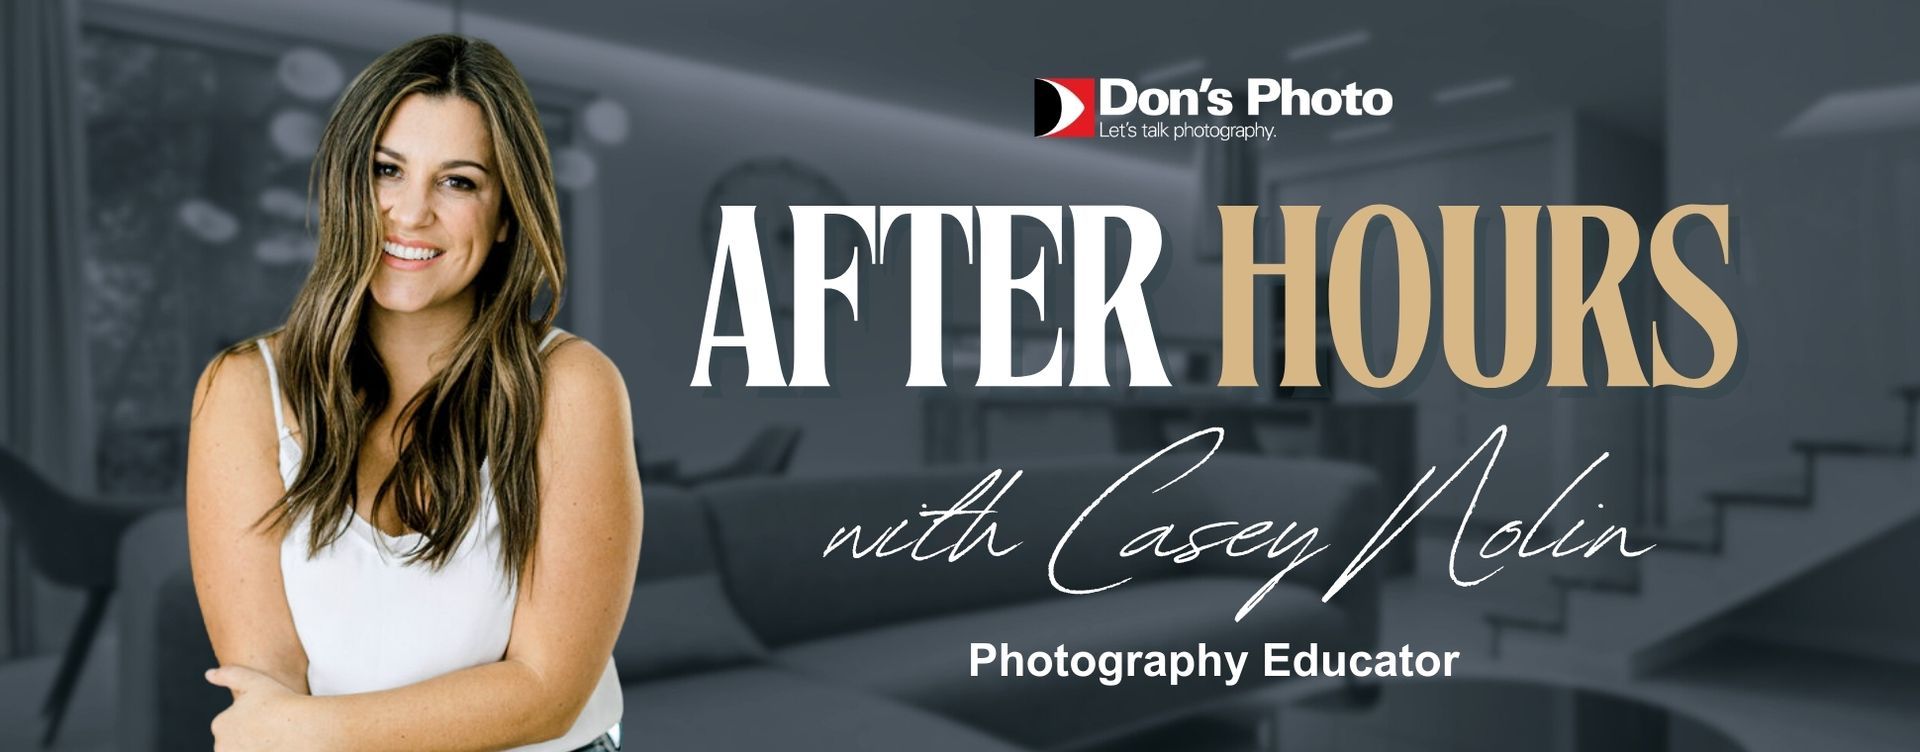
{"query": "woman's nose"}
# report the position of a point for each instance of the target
(408, 205)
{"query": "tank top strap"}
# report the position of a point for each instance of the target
(551, 336)
(273, 385)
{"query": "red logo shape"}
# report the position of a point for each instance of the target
(1063, 107)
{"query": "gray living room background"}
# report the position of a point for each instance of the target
(153, 210)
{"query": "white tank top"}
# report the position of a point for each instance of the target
(369, 622)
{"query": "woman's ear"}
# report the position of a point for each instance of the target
(505, 225)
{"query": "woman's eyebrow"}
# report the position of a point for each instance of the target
(443, 165)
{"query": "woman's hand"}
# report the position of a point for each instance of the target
(265, 715)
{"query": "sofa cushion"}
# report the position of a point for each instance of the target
(152, 553)
(772, 534)
(681, 624)
(1344, 501)
(679, 619)
(754, 709)
(677, 538)
(927, 662)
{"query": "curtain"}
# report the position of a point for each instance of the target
(44, 389)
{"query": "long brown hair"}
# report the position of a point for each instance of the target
(485, 405)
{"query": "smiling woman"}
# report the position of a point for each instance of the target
(447, 550)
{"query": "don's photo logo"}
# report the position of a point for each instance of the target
(1063, 107)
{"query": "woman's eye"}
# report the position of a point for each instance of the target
(460, 183)
(386, 169)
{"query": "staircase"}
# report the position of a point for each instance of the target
(1846, 495)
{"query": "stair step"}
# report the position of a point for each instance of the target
(1849, 446)
(1504, 620)
(1674, 540)
(1762, 498)
(1600, 584)
(1448, 525)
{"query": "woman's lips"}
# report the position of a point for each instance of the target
(407, 257)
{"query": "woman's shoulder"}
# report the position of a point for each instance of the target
(577, 372)
(237, 370)
(233, 389)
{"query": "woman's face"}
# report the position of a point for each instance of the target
(439, 194)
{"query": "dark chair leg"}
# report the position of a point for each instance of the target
(74, 659)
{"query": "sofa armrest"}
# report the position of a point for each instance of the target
(1343, 500)
(152, 552)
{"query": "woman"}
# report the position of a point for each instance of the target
(413, 509)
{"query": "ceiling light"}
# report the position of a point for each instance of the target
(1328, 45)
(1882, 108)
(1172, 72)
(1461, 92)
(1358, 132)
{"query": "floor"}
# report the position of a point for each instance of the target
(1767, 699)
(89, 725)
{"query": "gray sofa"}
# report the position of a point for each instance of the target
(741, 635)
